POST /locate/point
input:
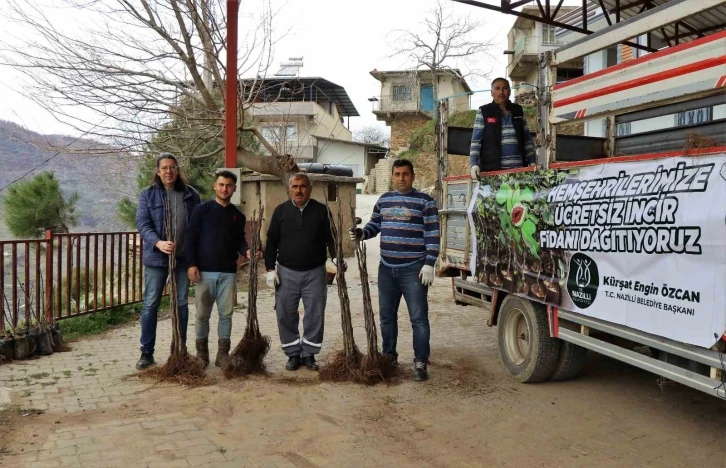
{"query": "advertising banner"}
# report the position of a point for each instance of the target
(641, 244)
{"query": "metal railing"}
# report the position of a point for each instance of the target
(67, 275)
(387, 103)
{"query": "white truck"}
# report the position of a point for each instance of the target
(614, 244)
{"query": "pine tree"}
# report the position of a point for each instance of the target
(34, 206)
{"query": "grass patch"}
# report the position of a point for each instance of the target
(463, 119)
(99, 322)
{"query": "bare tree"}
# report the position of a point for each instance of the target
(443, 42)
(371, 134)
(137, 73)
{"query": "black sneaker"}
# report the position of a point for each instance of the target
(419, 371)
(310, 363)
(293, 363)
(146, 360)
(392, 359)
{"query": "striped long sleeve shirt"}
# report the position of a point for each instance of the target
(409, 228)
(510, 148)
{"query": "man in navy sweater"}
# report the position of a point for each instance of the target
(297, 238)
(408, 222)
(216, 248)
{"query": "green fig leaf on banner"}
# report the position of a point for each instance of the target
(504, 194)
(528, 229)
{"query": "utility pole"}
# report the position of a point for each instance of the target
(230, 108)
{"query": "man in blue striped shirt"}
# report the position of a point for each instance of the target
(408, 222)
(501, 139)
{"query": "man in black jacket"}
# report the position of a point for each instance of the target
(216, 248)
(501, 139)
(296, 240)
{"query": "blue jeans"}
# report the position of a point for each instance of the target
(214, 287)
(392, 283)
(154, 282)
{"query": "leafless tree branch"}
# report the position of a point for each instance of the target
(136, 74)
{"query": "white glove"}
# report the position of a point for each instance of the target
(475, 172)
(355, 234)
(427, 275)
(271, 279)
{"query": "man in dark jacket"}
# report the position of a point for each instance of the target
(296, 240)
(167, 187)
(216, 248)
(501, 139)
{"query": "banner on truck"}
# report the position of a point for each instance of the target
(641, 244)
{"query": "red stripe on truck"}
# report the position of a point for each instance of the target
(654, 78)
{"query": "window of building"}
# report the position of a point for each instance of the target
(277, 134)
(402, 93)
(548, 35)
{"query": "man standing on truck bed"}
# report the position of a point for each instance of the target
(408, 221)
(500, 139)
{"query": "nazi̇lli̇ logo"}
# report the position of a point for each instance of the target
(583, 280)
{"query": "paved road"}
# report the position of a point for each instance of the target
(98, 413)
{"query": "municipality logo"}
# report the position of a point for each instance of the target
(583, 280)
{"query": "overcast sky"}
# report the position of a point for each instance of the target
(340, 40)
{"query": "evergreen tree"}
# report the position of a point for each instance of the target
(197, 147)
(31, 207)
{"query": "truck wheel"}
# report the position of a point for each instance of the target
(571, 361)
(525, 346)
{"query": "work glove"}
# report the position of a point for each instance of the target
(355, 234)
(345, 265)
(475, 172)
(271, 279)
(427, 275)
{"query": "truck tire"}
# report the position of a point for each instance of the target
(525, 346)
(571, 361)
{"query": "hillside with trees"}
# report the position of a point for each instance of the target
(101, 180)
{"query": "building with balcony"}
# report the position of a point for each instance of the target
(308, 118)
(527, 39)
(407, 99)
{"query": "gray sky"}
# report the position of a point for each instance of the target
(339, 43)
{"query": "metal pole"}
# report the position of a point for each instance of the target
(230, 134)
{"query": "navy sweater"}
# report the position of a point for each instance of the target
(215, 237)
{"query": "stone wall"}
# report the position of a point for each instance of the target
(402, 128)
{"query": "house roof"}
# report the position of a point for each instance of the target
(304, 89)
(381, 75)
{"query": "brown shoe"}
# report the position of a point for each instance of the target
(203, 350)
(222, 352)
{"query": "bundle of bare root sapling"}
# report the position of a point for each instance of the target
(342, 365)
(248, 357)
(181, 367)
(374, 367)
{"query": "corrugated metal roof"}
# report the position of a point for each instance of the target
(710, 21)
(320, 86)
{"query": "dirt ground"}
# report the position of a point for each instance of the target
(96, 411)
